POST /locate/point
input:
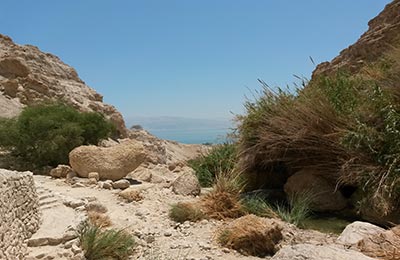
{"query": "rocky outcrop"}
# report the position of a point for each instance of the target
(324, 196)
(29, 76)
(19, 212)
(314, 252)
(357, 231)
(111, 163)
(382, 36)
(383, 245)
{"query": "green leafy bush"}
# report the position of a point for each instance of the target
(221, 158)
(99, 244)
(44, 135)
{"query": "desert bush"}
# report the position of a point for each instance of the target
(251, 235)
(99, 244)
(43, 135)
(181, 212)
(221, 158)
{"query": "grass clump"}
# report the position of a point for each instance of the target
(43, 135)
(99, 244)
(258, 206)
(298, 210)
(221, 158)
(181, 212)
(251, 235)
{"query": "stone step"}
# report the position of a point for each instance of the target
(48, 201)
(46, 196)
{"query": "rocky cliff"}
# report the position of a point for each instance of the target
(29, 76)
(382, 35)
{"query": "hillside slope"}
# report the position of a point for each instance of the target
(29, 76)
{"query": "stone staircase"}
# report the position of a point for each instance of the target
(47, 198)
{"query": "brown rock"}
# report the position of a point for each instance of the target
(324, 196)
(382, 35)
(94, 175)
(61, 171)
(111, 163)
(187, 184)
(384, 245)
(121, 184)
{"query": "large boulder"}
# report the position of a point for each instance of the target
(357, 231)
(384, 245)
(325, 197)
(314, 252)
(111, 163)
(187, 183)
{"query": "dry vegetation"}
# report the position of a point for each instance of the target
(251, 235)
(345, 126)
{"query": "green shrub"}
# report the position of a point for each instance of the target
(221, 158)
(99, 244)
(44, 135)
(181, 212)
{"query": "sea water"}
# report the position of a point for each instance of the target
(199, 136)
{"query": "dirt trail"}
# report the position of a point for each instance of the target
(157, 236)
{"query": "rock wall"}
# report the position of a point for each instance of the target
(19, 212)
(382, 36)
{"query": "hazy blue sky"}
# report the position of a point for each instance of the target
(187, 58)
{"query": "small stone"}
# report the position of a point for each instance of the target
(149, 239)
(121, 184)
(94, 175)
(75, 249)
(167, 234)
(107, 185)
(40, 256)
(78, 185)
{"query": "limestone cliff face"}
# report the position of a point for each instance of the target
(383, 34)
(29, 76)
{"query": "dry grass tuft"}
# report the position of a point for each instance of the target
(100, 220)
(131, 195)
(224, 200)
(181, 212)
(251, 235)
